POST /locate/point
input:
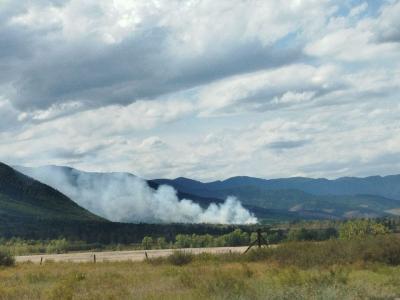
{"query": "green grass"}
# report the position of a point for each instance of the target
(197, 280)
(363, 269)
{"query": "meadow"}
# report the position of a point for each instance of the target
(335, 269)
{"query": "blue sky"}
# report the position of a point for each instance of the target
(202, 89)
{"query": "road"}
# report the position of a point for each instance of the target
(136, 255)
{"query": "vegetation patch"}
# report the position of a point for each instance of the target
(180, 258)
(6, 259)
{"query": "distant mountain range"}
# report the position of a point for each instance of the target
(66, 179)
(387, 186)
(275, 199)
(320, 198)
(34, 205)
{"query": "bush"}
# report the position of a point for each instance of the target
(147, 243)
(58, 246)
(6, 259)
(359, 229)
(179, 258)
(183, 241)
(383, 249)
(304, 234)
(162, 243)
(257, 254)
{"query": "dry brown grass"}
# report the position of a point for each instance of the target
(367, 269)
(200, 279)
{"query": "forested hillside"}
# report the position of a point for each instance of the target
(22, 197)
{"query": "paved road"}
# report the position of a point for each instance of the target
(136, 255)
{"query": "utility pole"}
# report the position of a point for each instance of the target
(259, 241)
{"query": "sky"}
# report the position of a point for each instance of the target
(202, 89)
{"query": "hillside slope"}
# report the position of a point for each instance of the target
(23, 198)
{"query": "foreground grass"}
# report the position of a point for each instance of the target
(365, 269)
(198, 280)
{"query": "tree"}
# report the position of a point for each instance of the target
(357, 229)
(298, 234)
(183, 241)
(237, 238)
(162, 243)
(58, 246)
(147, 243)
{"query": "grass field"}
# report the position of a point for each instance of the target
(327, 270)
(198, 280)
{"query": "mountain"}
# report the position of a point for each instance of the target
(62, 177)
(34, 210)
(26, 198)
(88, 189)
(278, 199)
(30, 209)
(384, 186)
(339, 206)
(251, 192)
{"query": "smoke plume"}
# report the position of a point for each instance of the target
(122, 197)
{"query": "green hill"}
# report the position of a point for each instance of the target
(23, 198)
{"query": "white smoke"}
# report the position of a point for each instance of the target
(122, 197)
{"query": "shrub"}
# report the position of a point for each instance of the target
(223, 284)
(383, 249)
(57, 246)
(6, 259)
(162, 243)
(183, 241)
(358, 229)
(179, 258)
(147, 243)
(304, 234)
(257, 254)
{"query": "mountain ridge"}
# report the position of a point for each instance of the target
(386, 186)
(277, 198)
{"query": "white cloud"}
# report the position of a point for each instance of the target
(202, 89)
(116, 52)
(388, 24)
(359, 9)
(8, 115)
(272, 89)
(365, 40)
(352, 44)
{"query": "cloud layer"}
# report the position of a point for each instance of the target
(202, 89)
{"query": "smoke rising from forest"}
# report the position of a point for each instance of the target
(122, 197)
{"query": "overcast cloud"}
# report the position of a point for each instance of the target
(203, 89)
